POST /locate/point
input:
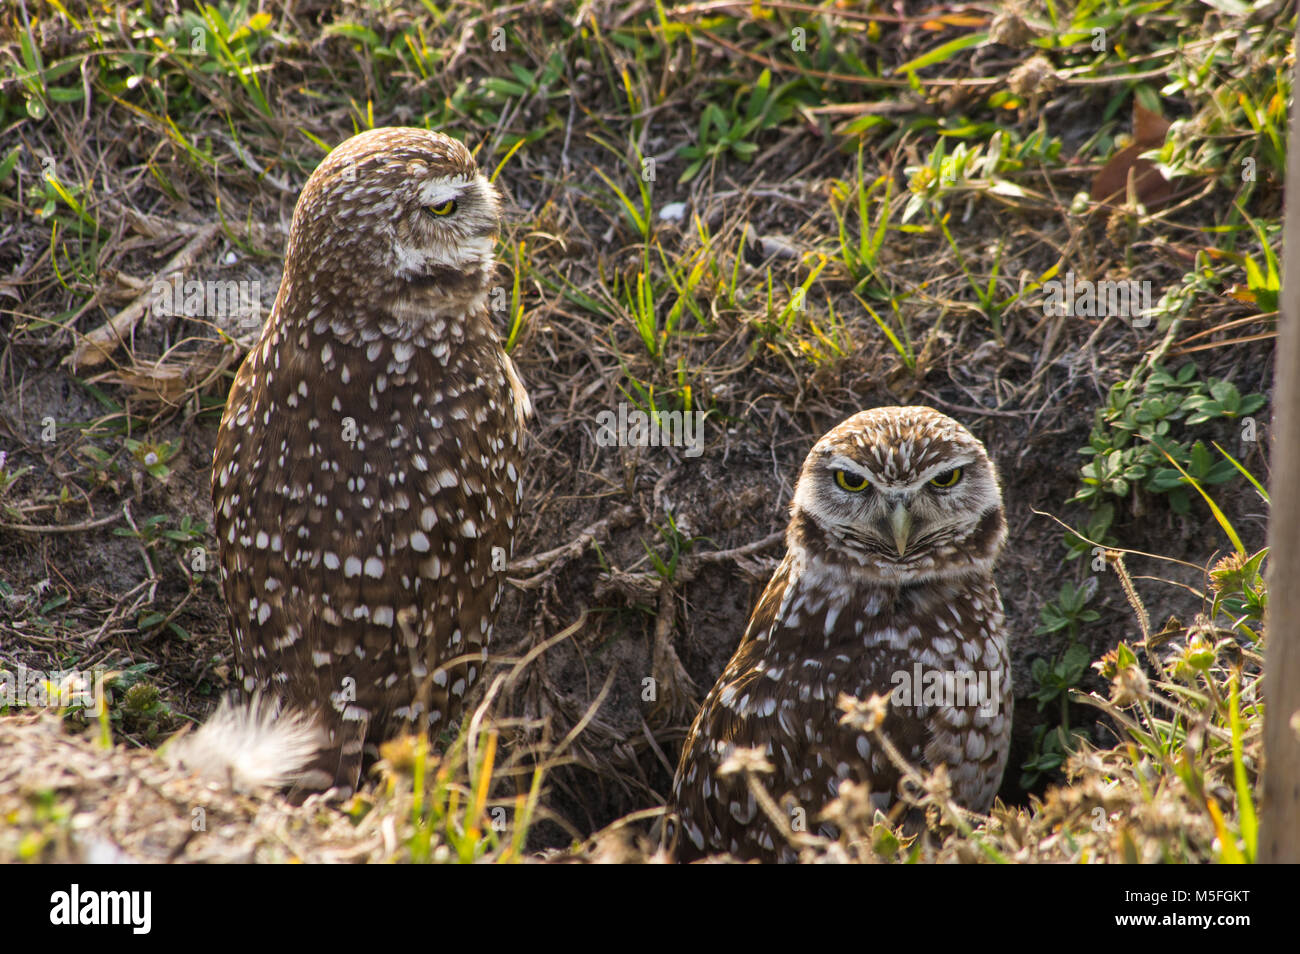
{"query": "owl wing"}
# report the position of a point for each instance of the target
(720, 812)
(362, 560)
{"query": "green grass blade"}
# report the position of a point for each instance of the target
(1244, 472)
(1214, 508)
(1245, 803)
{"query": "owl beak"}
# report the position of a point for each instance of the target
(900, 525)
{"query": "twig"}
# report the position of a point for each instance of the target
(975, 411)
(96, 346)
(677, 691)
(62, 528)
(144, 552)
(552, 560)
(721, 556)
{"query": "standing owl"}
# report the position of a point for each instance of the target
(895, 525)
(367, 469)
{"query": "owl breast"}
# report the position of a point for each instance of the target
(365, 500)
(937, 651)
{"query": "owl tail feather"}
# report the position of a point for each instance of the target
(249, 746)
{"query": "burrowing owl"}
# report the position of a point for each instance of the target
(886, 586)
(367, 470)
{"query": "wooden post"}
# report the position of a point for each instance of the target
(1279, 840)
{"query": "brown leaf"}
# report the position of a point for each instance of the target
(1111, 184)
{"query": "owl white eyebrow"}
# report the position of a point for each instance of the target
(945, 465)
(839, 462)
(943, 468)
(444, 189)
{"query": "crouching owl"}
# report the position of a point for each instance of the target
(886, 588)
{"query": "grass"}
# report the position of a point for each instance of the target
(776, 214)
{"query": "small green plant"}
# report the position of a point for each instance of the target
(639, 214)
(9, 476)
(153, 532)
(990, 304)
(940, 174)
(516, 305)
(153, 457)
(1067, 610)
(1053, 743)
(234, 49)
(1133, 433)
(1263, 284)
(730, 131)
(778, 319)
(1094, 533)
(1050, 746)
(1193, 724)
(1199, 719)
(144, 712)
(859, 255)
(659, 301)
(35, 606)
(679, 544)
(1240, 592)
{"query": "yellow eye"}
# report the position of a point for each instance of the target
(850, 483)
(947, 479)
(447, 208)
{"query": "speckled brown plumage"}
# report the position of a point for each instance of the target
(367, 469)
(878, 580)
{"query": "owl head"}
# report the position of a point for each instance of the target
(393, 213)
(899, 495)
